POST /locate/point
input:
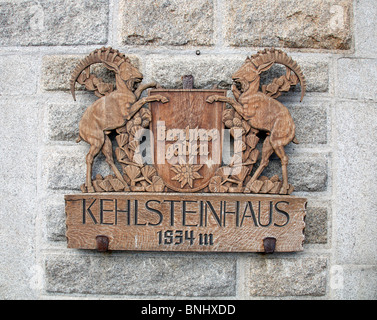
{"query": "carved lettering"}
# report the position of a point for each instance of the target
(186, 222)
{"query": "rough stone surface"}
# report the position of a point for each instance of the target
(16, 69)
(355, 198)
(310, 121)
(18, 193)
(207, 70)
(57, 70)
(354, 282)
(63, 121)
(316, 228)
(153, 275)
(357, 79)
(174, 23)
(65, 168)
(53, 22)
(19, 147)
(210, 70)
(308, 173)
(318, 24)
(365, 28)
(287, 277)
(54, 215)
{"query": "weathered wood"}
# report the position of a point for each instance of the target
(181, 128)
(185, 222)
(260, 109)
(185, 148)
(188, 82)
(113, 109)
(253, 110)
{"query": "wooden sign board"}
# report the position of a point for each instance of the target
(185, 222)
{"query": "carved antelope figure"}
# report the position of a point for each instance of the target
(113, 109)
(261, 110)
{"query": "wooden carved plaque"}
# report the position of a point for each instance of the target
(172, 188)
(185, 222)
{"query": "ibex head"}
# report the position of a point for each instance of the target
(249, 73)
(112, 60)
(126, 71)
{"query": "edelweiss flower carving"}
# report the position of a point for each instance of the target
(186, 173)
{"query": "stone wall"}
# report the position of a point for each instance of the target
(334, 165)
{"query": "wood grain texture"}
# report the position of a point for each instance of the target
(260, 109)
(114, 108)
(185, 221)
(187, 110)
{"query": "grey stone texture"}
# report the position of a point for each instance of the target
(210, 70)
(358, 79)
(63, 120)
(307, 173)
(173, 23)
(333, 166)
(16, 69)
(355, 198)
(317, 24)
(365, 28)
(287, 277)
(57, 70)
(311, 122)
(54, 217)
(18, 194)
(344, 279)
(316, 225)
(65, 168)
(53, 22)
(142, 275)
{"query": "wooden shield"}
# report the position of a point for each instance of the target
(187, 136)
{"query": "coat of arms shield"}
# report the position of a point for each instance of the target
(187, 137)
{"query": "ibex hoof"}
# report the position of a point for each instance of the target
(284, 190)
(211, 99)
(164, 100)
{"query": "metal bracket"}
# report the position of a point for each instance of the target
(269, 244)
(102, 243)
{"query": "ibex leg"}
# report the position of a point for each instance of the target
(230, 101)
(143, 87)
(280, 152)
(93, 151)
(107, 150)
(138, 104)
(267, 151)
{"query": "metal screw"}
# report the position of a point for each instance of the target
(197, 52)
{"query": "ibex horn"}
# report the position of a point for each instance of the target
(97, 56)
(280, 57)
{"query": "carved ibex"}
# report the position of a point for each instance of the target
(261, 110)
(111, 111)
